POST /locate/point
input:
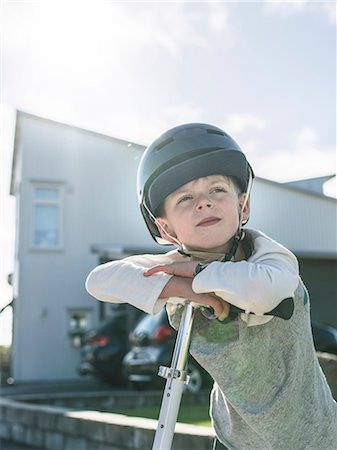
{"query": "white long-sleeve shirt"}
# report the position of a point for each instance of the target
(257, 285)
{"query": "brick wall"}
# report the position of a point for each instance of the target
(52, 427)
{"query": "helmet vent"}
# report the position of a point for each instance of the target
(163, 144)
(219, 132)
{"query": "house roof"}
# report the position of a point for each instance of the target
(22, 114)
(314, 185)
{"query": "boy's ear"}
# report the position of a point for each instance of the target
(165, 230)
(244, 207)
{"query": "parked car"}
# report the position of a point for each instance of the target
(106, 351)
(152, 342)
(103, 351)
(325, 337)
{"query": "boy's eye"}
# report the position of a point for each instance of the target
(184, 199)
(218, 189)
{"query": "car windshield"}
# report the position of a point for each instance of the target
(149, 323)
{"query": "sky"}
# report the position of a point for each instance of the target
(263, 71)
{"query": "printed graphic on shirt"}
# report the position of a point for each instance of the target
(215, 331)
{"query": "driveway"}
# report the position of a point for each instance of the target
(48, 387)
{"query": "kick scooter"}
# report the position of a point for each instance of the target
(176, 375)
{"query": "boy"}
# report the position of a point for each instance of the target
(269, 391)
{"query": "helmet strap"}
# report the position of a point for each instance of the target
(152, 217)
(208, 256)
(159, 225)
(239, 236)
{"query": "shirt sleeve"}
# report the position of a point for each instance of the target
(258, 285)
(123, 282)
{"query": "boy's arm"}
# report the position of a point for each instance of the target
(257, 285)
(123, 281)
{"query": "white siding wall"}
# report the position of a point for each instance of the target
(303, 222)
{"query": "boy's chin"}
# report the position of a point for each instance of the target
(222, 248)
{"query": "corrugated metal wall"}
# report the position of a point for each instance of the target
(303, 222)
(306, 224)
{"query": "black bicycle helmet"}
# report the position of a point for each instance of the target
(180, 155)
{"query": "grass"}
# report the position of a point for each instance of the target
(193, 414)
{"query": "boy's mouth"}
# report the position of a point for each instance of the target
(208, 221)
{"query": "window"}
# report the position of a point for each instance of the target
(47, 216)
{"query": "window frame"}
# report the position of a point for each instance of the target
(59, 202)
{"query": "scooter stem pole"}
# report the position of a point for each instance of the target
(176, 379)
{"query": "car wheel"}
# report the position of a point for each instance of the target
(196, 381)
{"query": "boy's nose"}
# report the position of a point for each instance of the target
(204, 202)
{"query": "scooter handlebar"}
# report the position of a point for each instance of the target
(284, 310)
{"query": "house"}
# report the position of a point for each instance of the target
(77, 206)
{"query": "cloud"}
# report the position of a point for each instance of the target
(295, 164)
(84, 31)
(291, 7)
(218, 17)
(282, 8)
(170, 26)
(330, 188)
(240, 123)
(330, 11)
(144, 131)
(60, 57)
(306, 158)
(173, 26)
(306, 138)
(91, 45)
(183, 112)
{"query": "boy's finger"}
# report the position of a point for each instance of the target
(185, 269)
(154, 270)
(225, 312)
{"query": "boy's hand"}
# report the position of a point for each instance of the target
(181, 286)
(181, 269)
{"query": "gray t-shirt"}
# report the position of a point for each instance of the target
(269, 391)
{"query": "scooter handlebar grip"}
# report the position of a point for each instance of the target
(283, 310)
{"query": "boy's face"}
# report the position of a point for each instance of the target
(203, 214)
